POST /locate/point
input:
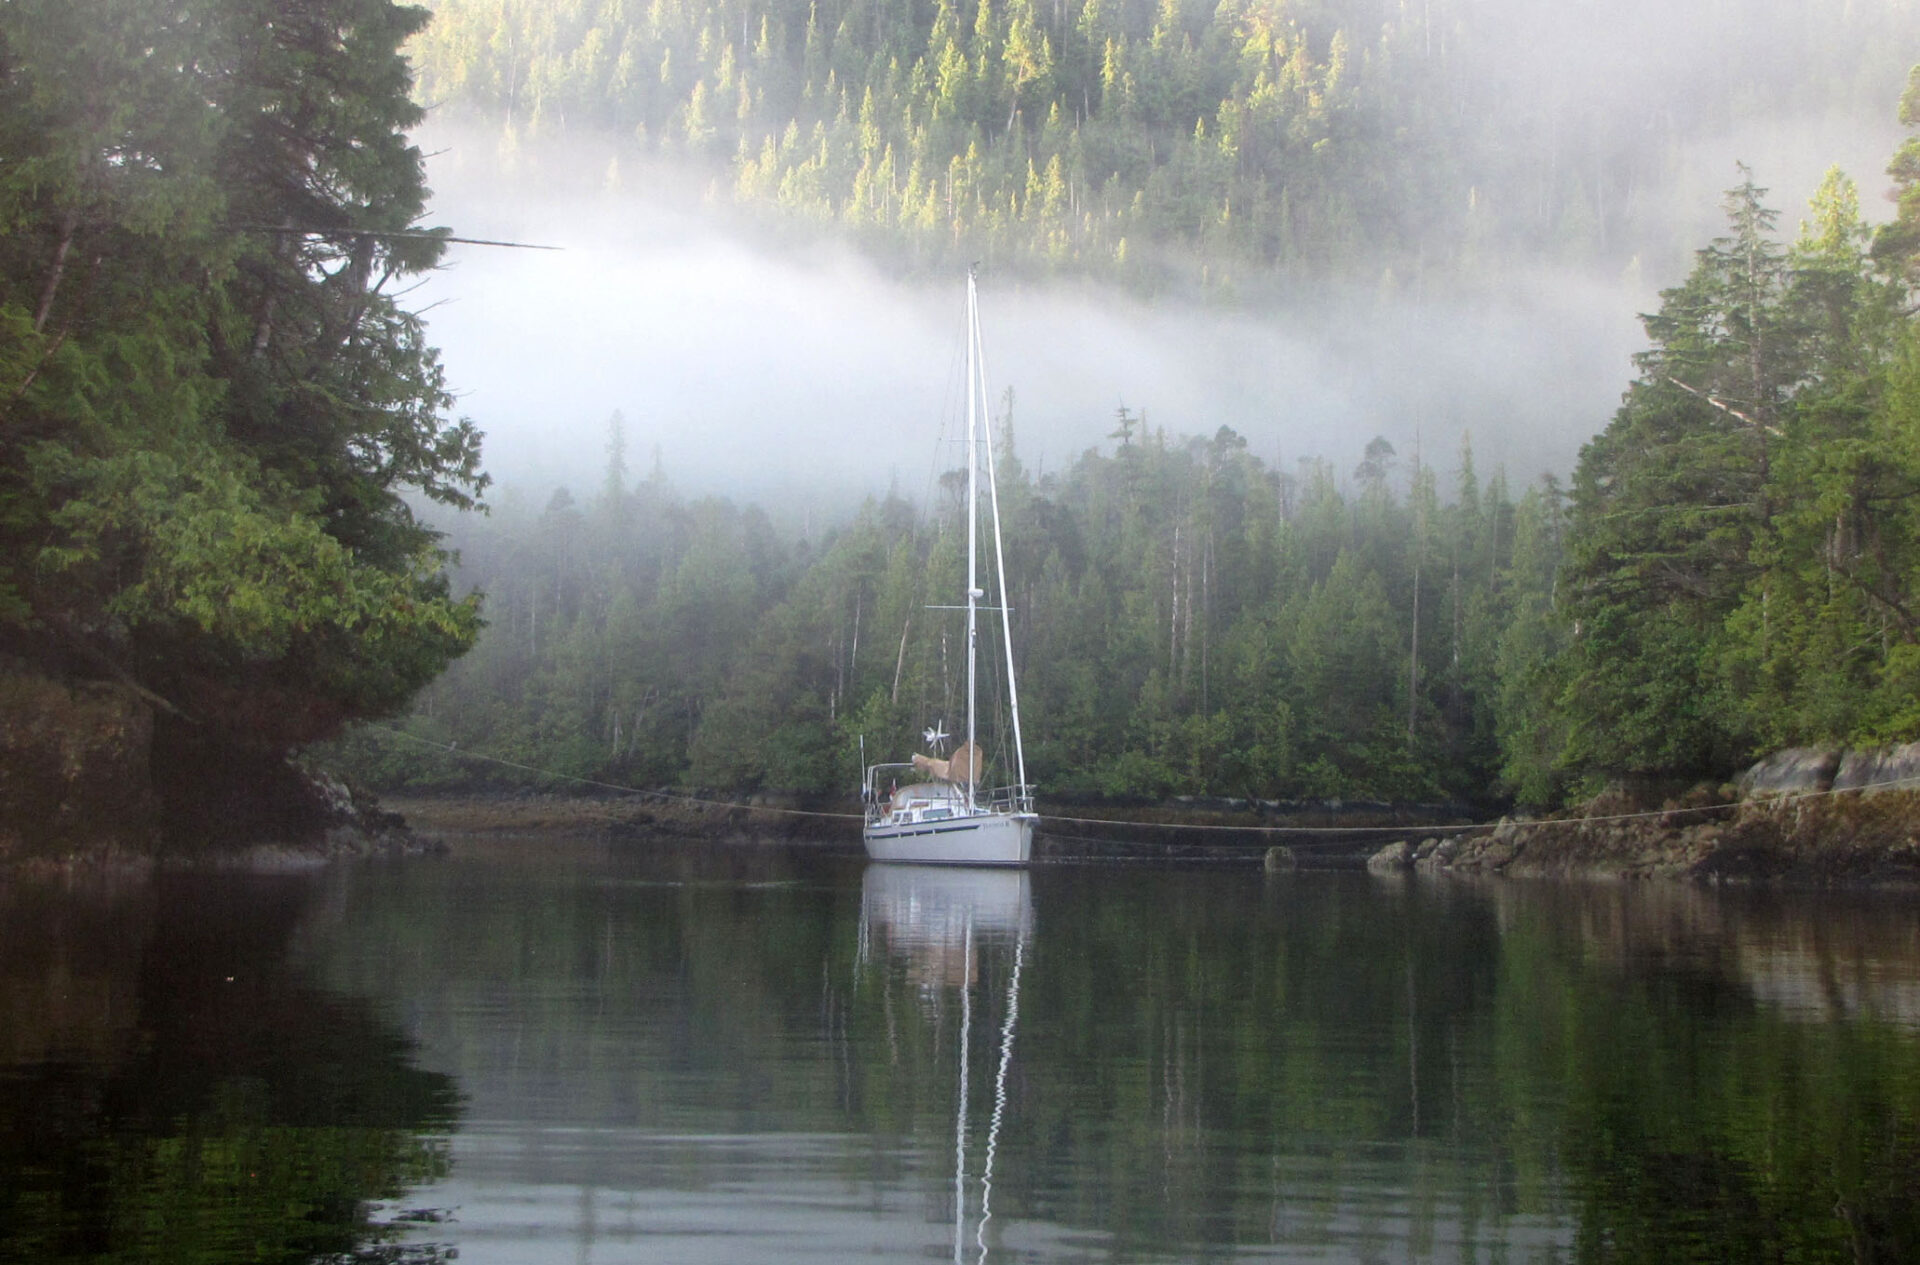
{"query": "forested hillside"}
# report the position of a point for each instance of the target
(1735, 568)
(1237, 144)
(221, 425)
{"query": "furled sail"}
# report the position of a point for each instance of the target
(966, 764)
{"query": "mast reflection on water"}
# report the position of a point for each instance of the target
(938, 921)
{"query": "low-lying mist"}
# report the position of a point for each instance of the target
(803, 377)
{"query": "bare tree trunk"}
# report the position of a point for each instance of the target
(839, 672)
(263, 328)
(1413, 656)
(1206, 615)
(69, 225)
(1173, 620)
(853, 655)
(900, 660)
(1493, 552)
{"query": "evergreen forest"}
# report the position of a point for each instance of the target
(1734, 567)
(230, 451)
(1259, 147)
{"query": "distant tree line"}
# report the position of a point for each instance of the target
(1169, 141)
(1187, 620)
(1734, 568)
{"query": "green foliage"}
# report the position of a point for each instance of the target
(1188, 620)
(1231, 145)
(1736, 565)
(1743, 559)
(214, 407)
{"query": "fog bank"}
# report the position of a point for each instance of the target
(804, 377)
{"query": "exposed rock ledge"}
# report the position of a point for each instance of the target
(80, 782)
(1799, 816)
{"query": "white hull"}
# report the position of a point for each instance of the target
(983, 839)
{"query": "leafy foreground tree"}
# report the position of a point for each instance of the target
(212, 401)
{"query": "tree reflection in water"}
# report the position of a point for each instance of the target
(758, 1056)
(169, 1091)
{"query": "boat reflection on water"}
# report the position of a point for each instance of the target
(941, 923)
(934, 917)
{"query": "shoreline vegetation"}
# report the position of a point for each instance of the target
(225, 428)
(1732, 569)
(1804, 818)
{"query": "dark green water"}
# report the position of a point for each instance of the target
(601, 1055)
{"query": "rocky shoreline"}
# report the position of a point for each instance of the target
(1076, 828)
(87, 778)
(78, 787)
(1803, 817)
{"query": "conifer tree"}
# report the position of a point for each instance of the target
(215, 404)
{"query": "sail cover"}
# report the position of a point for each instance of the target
(966, 764)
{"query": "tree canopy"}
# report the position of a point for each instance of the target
(214, 403)
(1170, 142)
(1733, 568)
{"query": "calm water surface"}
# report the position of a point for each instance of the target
(565, 1052)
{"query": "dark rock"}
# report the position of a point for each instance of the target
(1494, 853)
(74, 762)
(93, 769)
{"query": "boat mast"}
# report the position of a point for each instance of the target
(973, 469)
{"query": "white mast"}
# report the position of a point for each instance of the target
(973, 466)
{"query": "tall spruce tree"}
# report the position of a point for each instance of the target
(1667, 504)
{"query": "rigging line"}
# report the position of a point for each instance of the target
(1784, 797)
(945, 409)
(1281, 830)
(671, 797)
(1139, 846)
(410, 234)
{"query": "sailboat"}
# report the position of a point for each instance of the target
(942, 815)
